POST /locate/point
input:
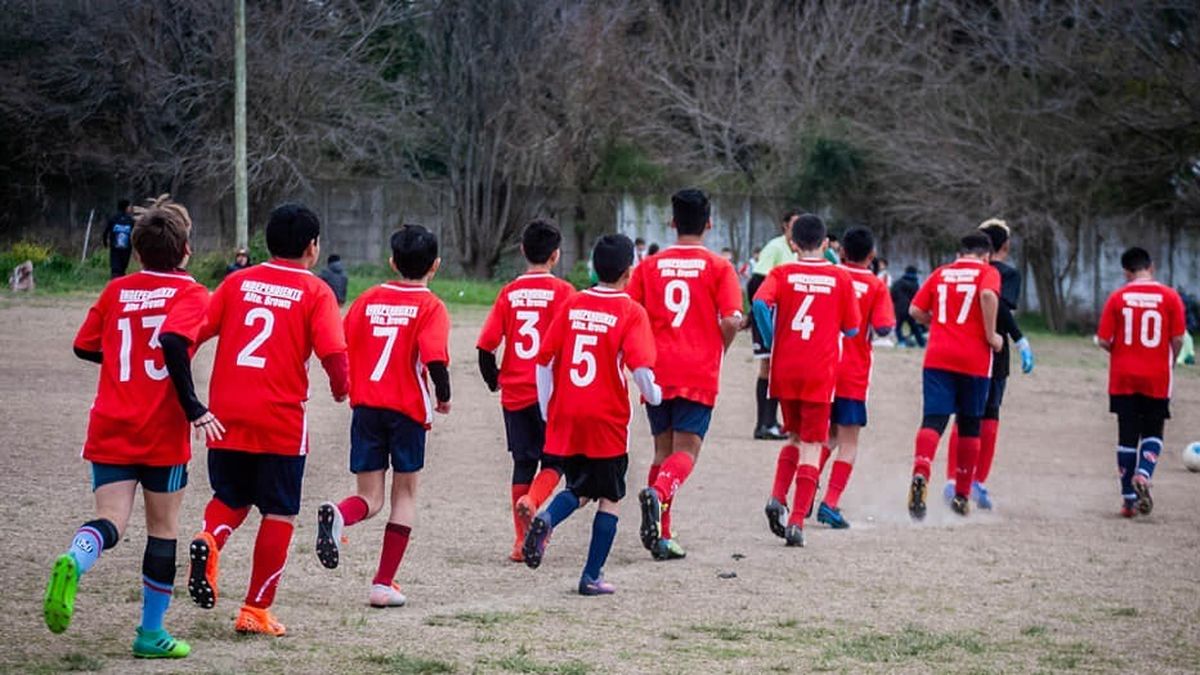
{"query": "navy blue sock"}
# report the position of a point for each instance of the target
(1126, 464)
(1147, 455)
(559, 508)
(604, 530)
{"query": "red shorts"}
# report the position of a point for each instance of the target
(808, 420)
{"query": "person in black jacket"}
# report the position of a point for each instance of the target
(335, 275)
(903, 291)
(118, 238)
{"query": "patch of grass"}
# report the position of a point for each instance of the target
(406, 664)
(1123, 612)
(787, 623)
(912, 643)
(481, 619)
(80, 662)
(1034, 631)
(450, 290)
(211, 628)
(722, 631)
(521, 662)
(1067, 656)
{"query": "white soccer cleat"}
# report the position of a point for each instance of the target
(386, 596)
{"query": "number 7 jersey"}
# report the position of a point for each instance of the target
(1140, 319)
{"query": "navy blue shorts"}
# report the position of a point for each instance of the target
(270, 482)
(153, 478)
(849, 412)
(526, 433)
(949, 393)
(679, 414)
(377, 435)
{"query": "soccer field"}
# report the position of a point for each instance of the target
(1052, 580)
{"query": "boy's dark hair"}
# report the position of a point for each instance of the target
(996, 233)
(831, 237)
(808, 232)
(787, 216)
(414, 250)
(333, 257)
(290, 229)
(857, 244)
(611, 257)
(975, 243)
(160, 234)
(639, 242)
(540, 240)
(652, 249)
(122, 204)
(690, 209)
(1136, 259)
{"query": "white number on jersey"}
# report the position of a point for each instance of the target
(968, 291)
(528, 328)
(580, 356)
(389, 332)
(677, 296)
(125, 326)
(247, 357)
(802, 323)
(1151, 327)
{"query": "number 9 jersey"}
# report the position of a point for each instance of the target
(1140, 319)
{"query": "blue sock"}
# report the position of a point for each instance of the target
(1126, 464)
(604, 530)
(156, 598)
(86, 547)
(562, 506)
(1147, 455)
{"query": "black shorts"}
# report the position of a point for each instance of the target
(995, 397)
(270, 482)
(760, 351)
(596, 478)
(1139, 405)
(526, 433)
(166, 479)
(378, 435)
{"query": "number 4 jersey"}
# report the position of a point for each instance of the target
(957, 339)
(269, 319)
(1140, 319)
(394, 330)
(136, 418)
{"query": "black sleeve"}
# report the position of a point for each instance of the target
(1010, 286)
(488, 369)
(107, 232)
(1006, 323)
(441, 380)
(94, 357)
(179, 367)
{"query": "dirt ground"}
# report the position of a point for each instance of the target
(1052, 580)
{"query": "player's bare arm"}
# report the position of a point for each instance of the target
(919, 315)
(989, 303)
(730, 326)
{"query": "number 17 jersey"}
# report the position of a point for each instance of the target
(957, 338)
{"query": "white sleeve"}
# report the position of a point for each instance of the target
(545, 387)
(644, 379)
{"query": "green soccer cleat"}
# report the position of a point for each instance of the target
(158, 644)
(59, 604)
(667, 549)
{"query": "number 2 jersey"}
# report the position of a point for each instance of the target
(136, 417)
(957, 339)
(597, 334)
(520, 318)
(1140, 319)
(686, 291)
(394, 331)
(875, 306)
(269, 318)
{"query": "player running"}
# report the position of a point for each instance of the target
(694, 303)
(270, 319)
(777, 252)
(582, 388)
(398, 335)
(522, 313)
(142, 331)
(802, 309)
(958, 302)
(849, 413)
(1142, 327)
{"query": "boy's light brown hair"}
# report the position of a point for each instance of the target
(160, 233)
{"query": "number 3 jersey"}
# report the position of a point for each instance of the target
(957, 339)
(136, 417)
(1140, 319)
(520, 318)
(269, 319)
(814, 303)
(596, 335)
(394, 330)
(686, 291)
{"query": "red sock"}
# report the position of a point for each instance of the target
(806, 489)
(270, 557)
(541, 487)
(664, 523)
(952, 454)
(220, 520)
(988, 431)
(518, 491)
(839, 475)
(652, 477)
(826, 453)
(395, 541)
(968, 450)
(785, 472)
(673, 473)
(926, 449)
(354, 509)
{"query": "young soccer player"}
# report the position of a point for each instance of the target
(777, 252)
(398, 333)
(142, 331)
(849, 414)
(582, 390)
(270, 319)
(520, 317)
(814, 305)
(958, 302)
(694, 303)
(1142, 327)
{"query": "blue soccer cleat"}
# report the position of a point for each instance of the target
(948, 492)
(832, 516)
(979, 493)
(597, 586)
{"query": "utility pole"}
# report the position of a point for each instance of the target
(241, 209)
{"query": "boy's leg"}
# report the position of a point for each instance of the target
(384, 591)
(231, 475)
(785, 470)
(158, 566)
(811, 432)
(939, 395)
(650, 499)
(689, 424)
(526, 435)
(523, 474)
(839, 474)
(604, 531)
(278, 483)
(968, 451)
(1150, 446)
(1128, 438)
(556, 511)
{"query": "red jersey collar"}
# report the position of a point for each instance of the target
(601, 292)
(287, 266)
(175, 274)
(814, 261)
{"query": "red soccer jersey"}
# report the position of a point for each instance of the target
(270, 319)
(686, 291)
(957, 339)
(520, 317)
(136, 417)
(1140, 319)
(393, 331)
(875, 306)
(597, 334)
(814, 304)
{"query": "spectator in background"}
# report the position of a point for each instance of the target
(880, 267)
(241, 260)
(1191, 313)
(652, 250)
(639, 250)
(118, 237)
(833, 252)
(335, 275)
(727, 253)
(746, 269)
(903, 291)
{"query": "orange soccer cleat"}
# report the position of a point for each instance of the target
(202, 576)
(258, 620)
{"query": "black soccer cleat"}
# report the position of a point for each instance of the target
(651, 529)
(535, 543)
(771, 433)
(777, 516)
(916, 498)
(202, 576)
(329, 534)
(960, 505)
(794, 536)
(1144, 503)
